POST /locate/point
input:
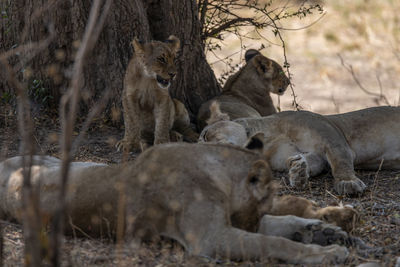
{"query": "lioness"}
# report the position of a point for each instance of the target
(246, 93)
(306, 143)
(206, 202)
(149, 111)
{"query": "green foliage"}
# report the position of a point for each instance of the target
(6, 97)
(39, 93)
(4, 15)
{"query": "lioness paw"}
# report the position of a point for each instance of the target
(298, 171)
(352, 186)
(318, 232)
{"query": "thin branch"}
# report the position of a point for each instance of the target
(227, 25)
(286, 65)
(350, 69)
(304, 27)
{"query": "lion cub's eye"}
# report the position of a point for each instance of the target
(253, 180)
(162, 60)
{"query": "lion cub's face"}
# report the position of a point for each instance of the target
(269, 72)
(261, 186)
(158, 59)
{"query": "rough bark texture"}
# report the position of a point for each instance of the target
(105, 66)
(195, 82)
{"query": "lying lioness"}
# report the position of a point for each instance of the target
(207, 197)
(306, 143)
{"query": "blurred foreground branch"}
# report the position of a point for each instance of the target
(30, 196)
(68, 112)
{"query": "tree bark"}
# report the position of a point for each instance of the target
(195, 82)
(106, 65)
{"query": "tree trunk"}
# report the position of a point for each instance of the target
(106, 64)
(195, 82)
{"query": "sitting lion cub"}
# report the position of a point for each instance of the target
(212, 203)
(149, 111)
(247, 92)
(306, 143)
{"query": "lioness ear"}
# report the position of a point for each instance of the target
(174, 43)
(263, 66)
(138, 46)
(255, 142)
(250, 54)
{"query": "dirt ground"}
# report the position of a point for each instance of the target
(365, 34)
(379, 208)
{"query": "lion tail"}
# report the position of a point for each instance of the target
(216, 114)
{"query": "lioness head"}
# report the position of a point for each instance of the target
(158, 59)
(269, 73)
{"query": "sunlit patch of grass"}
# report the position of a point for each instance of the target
(331, 37)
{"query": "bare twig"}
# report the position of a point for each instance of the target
(286, 65)
(227, 25)
(375, 185)
(349, 68)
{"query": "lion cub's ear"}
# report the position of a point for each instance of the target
(255, 142)
(250, 54)
(263, 66)
(138, 46)
(216, 114)
(174, 43)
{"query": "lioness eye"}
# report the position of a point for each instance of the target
(162, 60)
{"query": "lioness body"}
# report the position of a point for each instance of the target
(305, 143)
(247, 92)
(202, 204)
(149, 111)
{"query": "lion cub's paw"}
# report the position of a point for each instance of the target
(318, 232)
(176, 137)
(161, 140)
(127, 146)
(353, 186)
(346, 217)
(298, 171)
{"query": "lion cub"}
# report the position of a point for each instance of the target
(149, 111)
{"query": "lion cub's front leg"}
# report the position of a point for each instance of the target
(164, 118)
(131, 140)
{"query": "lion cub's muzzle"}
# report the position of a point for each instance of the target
(164, 83)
